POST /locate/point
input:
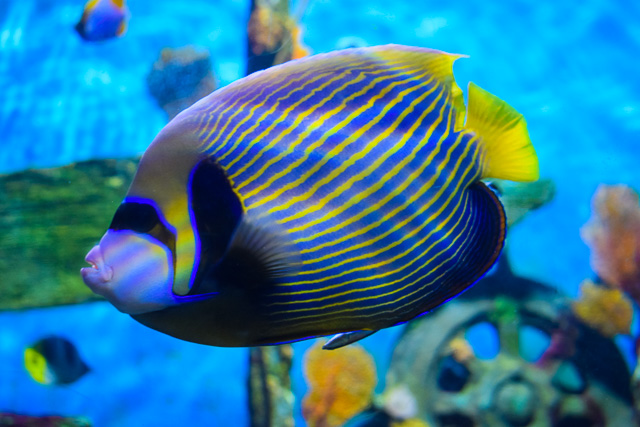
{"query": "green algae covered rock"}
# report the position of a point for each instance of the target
(49, 219)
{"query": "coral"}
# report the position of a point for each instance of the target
(273, 36)
(341, 384)
(607, 310)
(266, 29)
(613, 234)
(461, 350)
(180, 77)
(299, 49)
(400, 403)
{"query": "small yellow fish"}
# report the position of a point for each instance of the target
(54, 360)
(103, 20)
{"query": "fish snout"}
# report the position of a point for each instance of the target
(99, 273)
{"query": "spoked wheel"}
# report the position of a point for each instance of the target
(510, 360)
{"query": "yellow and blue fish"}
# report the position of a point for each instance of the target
(103, 20)
(54, 360)
(336, 194)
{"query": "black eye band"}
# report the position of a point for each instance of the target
(138, 217)
(143, 218)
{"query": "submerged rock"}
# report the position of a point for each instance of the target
(180, 77)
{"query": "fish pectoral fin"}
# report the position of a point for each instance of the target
(255, 257)
(346, 338)
(503, 134)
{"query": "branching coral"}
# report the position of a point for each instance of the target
(613, 234)
(341, 384)
(607, 310)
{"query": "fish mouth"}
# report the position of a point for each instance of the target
(99, 273)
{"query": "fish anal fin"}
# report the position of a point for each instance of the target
(346, 338)
(503, 133)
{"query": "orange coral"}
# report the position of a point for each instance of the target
(613, 234)
(341, 384)
(300, 50)
(607, 310)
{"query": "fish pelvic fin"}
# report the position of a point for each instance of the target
(346, 338)
(503, 133)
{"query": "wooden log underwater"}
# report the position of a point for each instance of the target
(49, 219)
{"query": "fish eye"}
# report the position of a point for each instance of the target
(138, 217)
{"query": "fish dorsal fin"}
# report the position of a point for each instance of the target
(438, 63)
(256, 257)
(503, 133)
(91, 4)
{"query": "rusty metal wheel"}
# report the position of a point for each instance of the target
(494, 357)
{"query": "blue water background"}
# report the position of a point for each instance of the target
(570, 67)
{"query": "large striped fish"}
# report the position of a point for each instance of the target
(336, 194)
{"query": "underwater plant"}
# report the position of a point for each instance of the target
(340, 383)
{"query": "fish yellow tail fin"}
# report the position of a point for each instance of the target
(503, 132)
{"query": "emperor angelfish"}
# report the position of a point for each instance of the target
(336, 194)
